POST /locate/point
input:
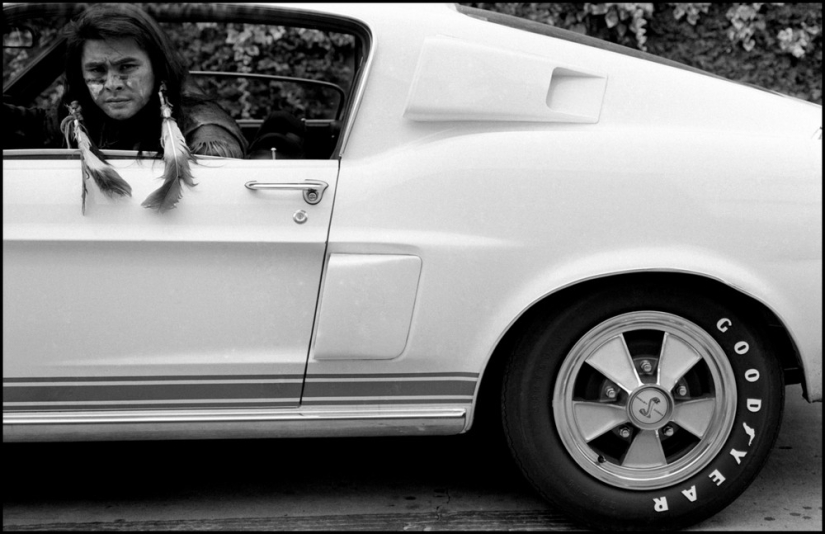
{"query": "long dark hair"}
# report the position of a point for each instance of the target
(118, 21)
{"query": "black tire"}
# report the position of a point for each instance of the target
(691, 449)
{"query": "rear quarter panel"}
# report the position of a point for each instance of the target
(682, 172)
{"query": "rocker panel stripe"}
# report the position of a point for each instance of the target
(118, 379)
(388, 388)
(230, 391)
(153, 405)
(125, 392)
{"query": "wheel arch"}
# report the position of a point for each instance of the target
(487, 404)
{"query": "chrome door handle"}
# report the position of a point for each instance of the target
(313, 189)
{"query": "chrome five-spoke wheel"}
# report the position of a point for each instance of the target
(644, 400)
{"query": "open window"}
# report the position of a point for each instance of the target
(287, 77)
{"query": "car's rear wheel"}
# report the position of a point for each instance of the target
(642, 406)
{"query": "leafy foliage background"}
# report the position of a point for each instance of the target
(266, 49)
(772, 45)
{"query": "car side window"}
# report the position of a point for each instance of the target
(286, 85)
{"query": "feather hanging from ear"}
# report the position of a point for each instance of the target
(91, 159)
(176, 158)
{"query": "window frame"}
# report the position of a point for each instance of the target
(218, 12)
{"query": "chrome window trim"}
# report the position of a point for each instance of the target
(361, 83)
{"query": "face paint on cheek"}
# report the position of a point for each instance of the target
(95, 87)
(142, 85)
(131, 85)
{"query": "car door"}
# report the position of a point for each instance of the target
(209, 305)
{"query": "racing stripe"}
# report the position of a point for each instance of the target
(151, 392)
(387, 388)
(153, 405)
(233, 391)
(427, 388)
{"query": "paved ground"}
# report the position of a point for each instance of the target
(452, 483)
(787, 495)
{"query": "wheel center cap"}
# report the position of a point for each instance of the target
(650, 407)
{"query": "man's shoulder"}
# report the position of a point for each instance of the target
(206, 113)
(197, 114)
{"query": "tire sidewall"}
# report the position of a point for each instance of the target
(545, 461)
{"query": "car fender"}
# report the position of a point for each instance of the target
(786, 304)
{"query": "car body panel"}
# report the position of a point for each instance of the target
(527, 87)
(584, 230)
(367, 306)
(213, 305)
(465, 217)
(564, 196)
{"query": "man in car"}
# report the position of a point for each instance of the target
(117, 57)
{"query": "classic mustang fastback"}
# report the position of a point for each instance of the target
(466, 217)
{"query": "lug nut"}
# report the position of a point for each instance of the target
(624, 432)
(610, 393)
(667, 431)
(682, 391)
(646, 366)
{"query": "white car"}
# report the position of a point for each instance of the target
(615, 256)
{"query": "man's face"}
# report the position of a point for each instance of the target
(119, 76)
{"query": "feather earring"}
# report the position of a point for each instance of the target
(176, 158)
(91, 159)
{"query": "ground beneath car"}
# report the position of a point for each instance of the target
(452, 483)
